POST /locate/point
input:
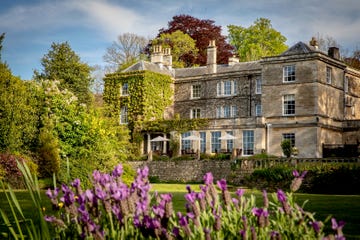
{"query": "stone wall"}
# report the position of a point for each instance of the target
(185, 171)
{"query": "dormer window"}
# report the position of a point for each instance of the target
(289, 73)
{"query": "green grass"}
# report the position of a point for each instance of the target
(342, 207)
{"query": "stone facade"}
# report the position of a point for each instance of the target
(304, 95)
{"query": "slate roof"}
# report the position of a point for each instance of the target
(199, 71)
(299, 48)
(144, 65)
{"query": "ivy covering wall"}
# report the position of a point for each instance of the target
(149, 94)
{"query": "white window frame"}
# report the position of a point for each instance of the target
(195, 113)
(125, 89)
(248, 142)
(219, 112)
(215, 141)
(289, 73)
(291, 137)
(195, 91)
(258, 86)
(258, 110)
(234, 111)
(227, 111)
(226, 88)
(288, 101)
(124, 115)
(328, 75)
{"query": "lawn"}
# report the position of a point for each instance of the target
(342, 207)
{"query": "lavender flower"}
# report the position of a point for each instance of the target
(297, 181)
(208, 178)
(266, 199)
(222, 184)
(118, 171)
(316, 226)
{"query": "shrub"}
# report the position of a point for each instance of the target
(286, 147)
(111, 209)
(8, 163)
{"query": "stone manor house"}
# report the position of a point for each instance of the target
(305, 95)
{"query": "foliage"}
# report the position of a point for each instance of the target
(286, 147)
(86, 139)
(8, 164)
(2, 37)
(111, 209)
(181, 45)
(202, 31)
(63, 64)
(18, 113)
(125, 51)
(329, 178)
(257, 41)
(22, 228)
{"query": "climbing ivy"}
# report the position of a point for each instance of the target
(149, 94)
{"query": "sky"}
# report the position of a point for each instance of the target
(90, 26)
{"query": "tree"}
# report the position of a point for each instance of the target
(181, 44)
(202, 31)
(354, 60)
(257, 41)
(18, 113)
(2, 37)
(126, 50)
(63, 64)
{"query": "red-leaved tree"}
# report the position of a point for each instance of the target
(202, 31)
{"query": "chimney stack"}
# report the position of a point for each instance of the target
(167, 58)
(333, 52)
(233, 60)
(157, 55)
(211, 57)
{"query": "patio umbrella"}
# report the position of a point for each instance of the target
(159, 139)
(227, 137)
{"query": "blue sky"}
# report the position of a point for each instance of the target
(90, 26)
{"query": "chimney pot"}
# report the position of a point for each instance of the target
(333, 52)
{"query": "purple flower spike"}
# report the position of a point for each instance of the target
(76, 183)
(240, 192)
(281, 196)
(303, 174)
(118, 171)
(222, 184)
(335, 225)
(295, 173)
(316, 226)
(208, 178)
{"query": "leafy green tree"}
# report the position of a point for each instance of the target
(257, 41)
(63, 64)
(18, 113)
(181, 45)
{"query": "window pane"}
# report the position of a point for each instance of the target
(227, 88)
(328, 75)
(203, 142)
(248, 142)
(218, 112)
(196, 89)
(195, 113)
(234, 111)
(124, 115)
(185, 144)
(226, 111)
(291, 137)
(218, 88)
(289, 73)
(258, 109)
(235, 84)
(289, 105)
(230, 143)
(125, 89)
(258, 86)
(215, 142)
